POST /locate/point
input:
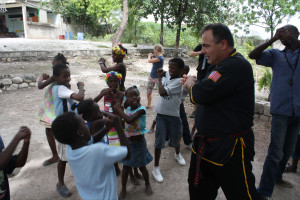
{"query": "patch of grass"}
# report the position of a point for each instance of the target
(103, 46)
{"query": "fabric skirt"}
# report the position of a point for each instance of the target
(140, 156)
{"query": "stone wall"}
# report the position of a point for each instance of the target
(13, 82)
(262, 110)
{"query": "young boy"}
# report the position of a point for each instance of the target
(91, 163)
(63, 99)
(168, 122)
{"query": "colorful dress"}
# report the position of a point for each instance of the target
(47, 114)
(140, 155)
(113, 137)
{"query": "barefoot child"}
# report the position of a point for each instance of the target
(135, 118)
(46, 114)
(111, 95)
(158, 63)
(118, 54)
(90, 112)
(63, 99)
(91, 161)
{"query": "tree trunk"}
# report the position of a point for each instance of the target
(162, 23)
(162, 30)
(123, 24)
(177, 39)
(135, 39)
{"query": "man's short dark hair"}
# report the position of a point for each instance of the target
(178, 61)
(220, 32)
(65, 127)
(292, 28)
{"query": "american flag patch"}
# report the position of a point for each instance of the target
(214, 76)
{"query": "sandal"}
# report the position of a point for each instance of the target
(63, 191)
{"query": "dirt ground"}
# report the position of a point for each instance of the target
(37, 182)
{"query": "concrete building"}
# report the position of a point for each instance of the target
(27, 19)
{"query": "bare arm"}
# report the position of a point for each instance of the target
(161, 90)
(128, 119)
(44, 80)
(116, 123)
(5, 156)
(98, 135)
(80, 95)
(101, 95)
(194, 53)
(151, 59)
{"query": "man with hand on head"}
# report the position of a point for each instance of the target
(223, 147)
(285, 104)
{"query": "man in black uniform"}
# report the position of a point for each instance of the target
(224, 145)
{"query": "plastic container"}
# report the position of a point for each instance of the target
(67, 37)
(61, 37)
(80, 36)
(70, 35)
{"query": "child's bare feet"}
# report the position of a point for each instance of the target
(50, 161)
(122, 194)
(149, 190)
(148, 106)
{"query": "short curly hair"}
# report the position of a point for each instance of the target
(65, 127)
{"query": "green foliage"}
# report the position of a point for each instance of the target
(268, 13)
(149, 32)
(265, 81)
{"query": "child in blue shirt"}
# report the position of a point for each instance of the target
(91, 161)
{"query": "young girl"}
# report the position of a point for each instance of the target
(118, 54)
(90, 112)
(158, 62)
(63, 98)
(46, 114)
(111, 96)
(135, 118)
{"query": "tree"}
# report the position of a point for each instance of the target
(269, 13)
(158, 7)
(123, 24)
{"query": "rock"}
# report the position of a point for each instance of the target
(23, 85)
(8, 76)
(8, 59)
(6, 81)
(17, 80)
(13, 87)
(31, 84)
(29, 78)
(1, 76)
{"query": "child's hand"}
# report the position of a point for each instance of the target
(102, 60)
(24, 133)
(45, 77)
(161, 73)
(113, 120)
(80, 84)
(150, 55)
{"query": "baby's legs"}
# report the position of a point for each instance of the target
(126, 170)
(118, 171)
(52, 145)
(146, 178)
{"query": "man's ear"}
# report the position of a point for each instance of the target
(224, 44)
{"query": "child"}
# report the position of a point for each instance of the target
(90, 112)
(135, 118)
(63, 99)
(46, 114)
(91, 161)
(186, 134)
(111, 96)
(118, 54)
(168, 122)
(158, 63)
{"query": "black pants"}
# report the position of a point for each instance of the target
(235, 178)
(186, 134)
